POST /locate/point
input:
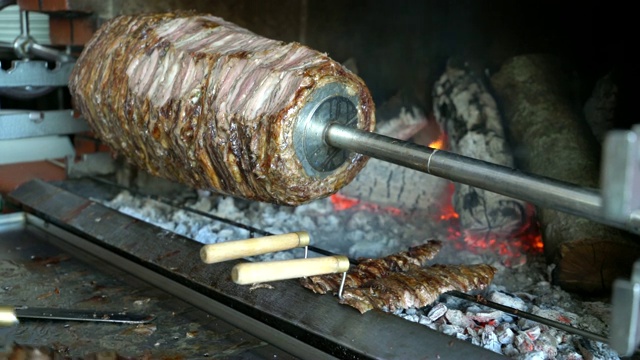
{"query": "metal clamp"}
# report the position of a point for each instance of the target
(620, 177)
(331, 103)
(625, 317)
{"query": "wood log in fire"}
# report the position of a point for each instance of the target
(468, 114)
(555, 141)
(600, 109)
(390, 185)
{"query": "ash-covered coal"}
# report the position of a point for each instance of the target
(359, 232)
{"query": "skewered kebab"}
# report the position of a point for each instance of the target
(371, 269)
(400, 280)
(417, 287)
(202, 101)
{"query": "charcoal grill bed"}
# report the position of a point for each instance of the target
(287, 317)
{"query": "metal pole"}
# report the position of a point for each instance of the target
(539, 190)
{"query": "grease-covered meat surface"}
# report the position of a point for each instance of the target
(371, 269)
(401, 280)
(198, 100)
(417, 287)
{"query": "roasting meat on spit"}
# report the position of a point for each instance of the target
(401, 281)
(198, 100)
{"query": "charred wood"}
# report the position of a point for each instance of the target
(469, 116)
(390, 185)
(554, 141)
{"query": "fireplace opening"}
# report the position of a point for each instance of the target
(533, 85)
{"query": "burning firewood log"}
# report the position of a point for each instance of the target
(469, 116)
(389, 185)
(555, 141)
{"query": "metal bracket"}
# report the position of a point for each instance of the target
(625, 318)
(15, 124)
(35, 73)
(620, 177)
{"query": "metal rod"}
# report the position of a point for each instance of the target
(526, 315)
(539, 190)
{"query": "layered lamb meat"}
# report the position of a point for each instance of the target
(198, 100)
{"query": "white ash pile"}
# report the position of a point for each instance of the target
(518, 337)
(362, 233)
(354, 233)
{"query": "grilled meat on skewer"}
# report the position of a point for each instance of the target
(371, 269)
(417, 287)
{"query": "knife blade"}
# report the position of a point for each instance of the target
(123, 317)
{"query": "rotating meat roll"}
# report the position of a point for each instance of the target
(198, 100)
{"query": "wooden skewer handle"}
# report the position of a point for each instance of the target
(237, 249)
(256, 272)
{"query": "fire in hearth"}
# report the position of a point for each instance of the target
(511, 247)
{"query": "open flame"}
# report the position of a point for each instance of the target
(511, 247)
(341, 202)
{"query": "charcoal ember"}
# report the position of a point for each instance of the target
(510, 351)
(533, 333)
(428, 323)
(411, 317)
(201, 101)
(547, 344)
(490, 339)
(598, 309)
(417, 287)
(450, 329)
(475, 339)
(425, 320)
(368, 270)
(565, 317)
(591, 323)
(523, 343)
(505, 334)
(573, 355)
(486, 317)
(437, 311)
(507, 300)
(526, 323)
(457, 317)
(534, 355)
(472, 331)
(595, 350)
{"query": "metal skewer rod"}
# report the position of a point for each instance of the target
(539, 190)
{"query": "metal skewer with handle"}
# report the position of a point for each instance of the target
(257, 272)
